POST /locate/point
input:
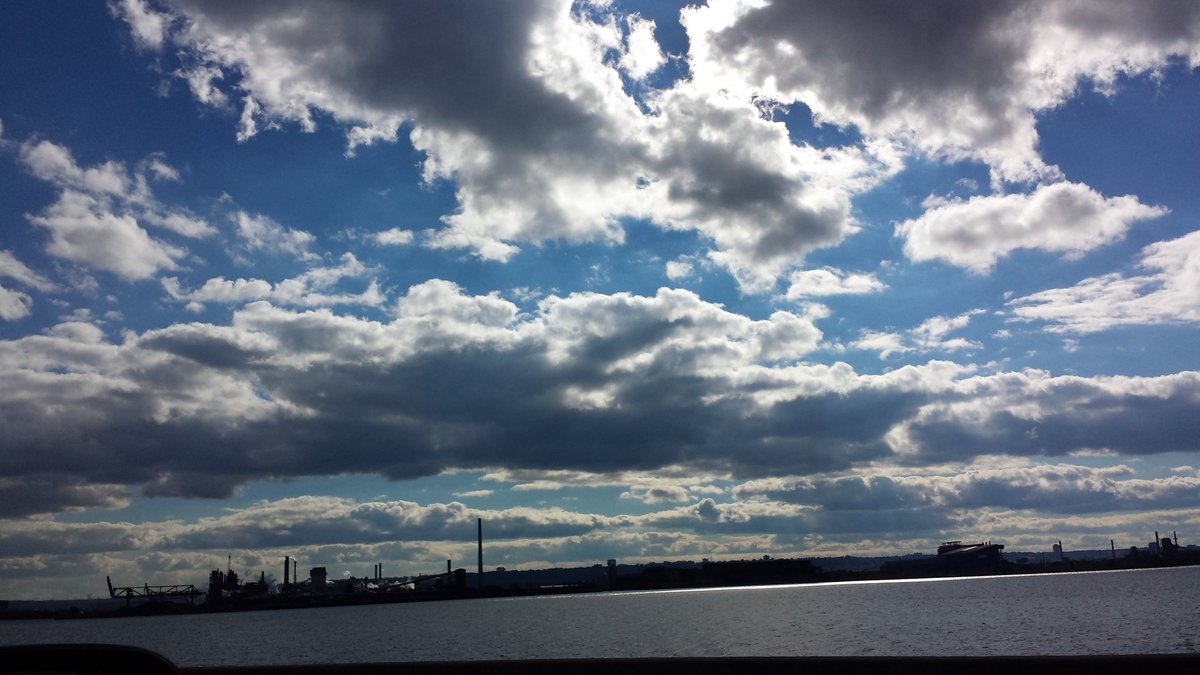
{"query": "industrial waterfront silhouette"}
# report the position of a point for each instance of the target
(227, 591)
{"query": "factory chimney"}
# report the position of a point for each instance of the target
(287, 568)
(480, 522)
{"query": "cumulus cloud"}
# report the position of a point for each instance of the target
(668, 484)
(560, 150)
(97, 219)
(262, 233)
(663, 494)
(587, 382)
(679, 269)
(735, 177)
(84, 230)
(642, 54)
(1064, 217)
(392, 237)
(829, 281)
(301, 521)
(1051, 488)
(310, 289)
(14, 304)
(148, 26)
(33, 494)
(1031, 413)
(930, 335)
(1166, 295)
(956, 81)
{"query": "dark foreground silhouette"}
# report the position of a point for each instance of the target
(113, 659)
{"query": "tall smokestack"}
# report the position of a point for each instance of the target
(480, 522)
(1113, 544)
(287, 569)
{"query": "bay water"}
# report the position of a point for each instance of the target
(1153, 611)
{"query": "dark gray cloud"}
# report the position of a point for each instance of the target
(1128, 416)
(957, 80)
(1048, 489)
(588, 383)
(429, 61)
(31, 494)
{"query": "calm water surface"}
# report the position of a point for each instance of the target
(1127, 612)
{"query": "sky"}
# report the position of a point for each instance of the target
(631, 280)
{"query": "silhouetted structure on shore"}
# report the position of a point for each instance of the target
(227, 592)
(710, 574)
(146, 592)
(953, 557)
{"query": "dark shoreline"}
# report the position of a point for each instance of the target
(640, 582)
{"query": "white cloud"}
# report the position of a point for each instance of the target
(932, 332)
(1166, 295)
(679, 269)
(881, 341)
(392, 237)
(201, 81)
(262, 233)
(149, 27)
(14, 304)
(54, 164)
(669, 484)
(247, 127)
(662, 494)
(97, 218)
(443, 302)
(310, 289)
(84, 230)
(560, 151)
(12, 268)
(930, 335)
(642, 54)
(469, 494)
(161, 170)
(829, 281)
(1047, 487)
(1064, 217)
